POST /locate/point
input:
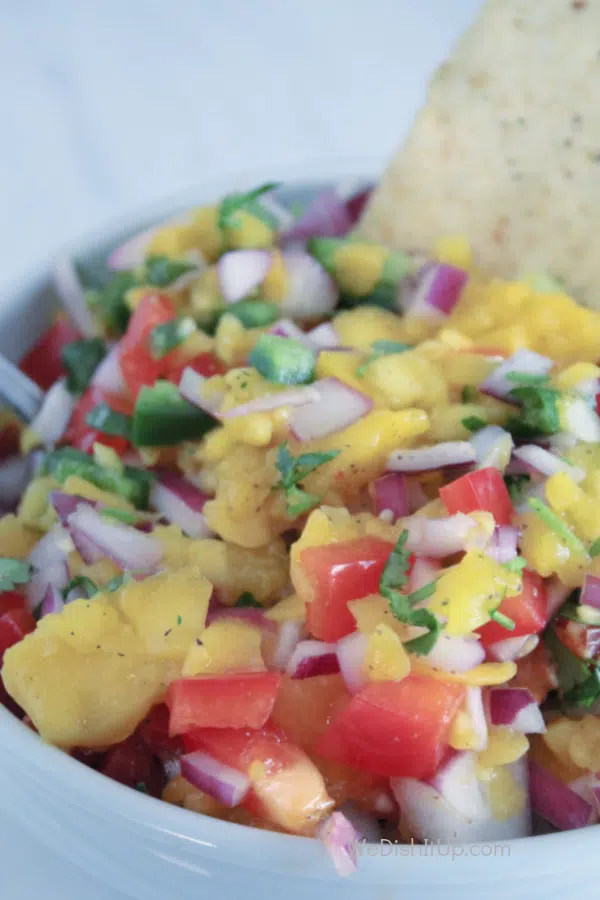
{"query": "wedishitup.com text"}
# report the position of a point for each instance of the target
(429, 848)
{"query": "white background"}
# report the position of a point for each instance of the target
(106, 105)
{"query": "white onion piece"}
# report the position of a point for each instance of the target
(325, 216)
(351, 651)
(15, 473)
(525, 362)
(311, 293)
(437, 291)
(493, 447)
(424, 459)
(311, 658)
(129, 548)
(49, 561)
(456, 654)
(181, 503)
(438, 537)
(190, 388)
(108, 376)
(72, 296)
(547, 463)
(503, 543)
(290, 635)
(340, 838)
(516, 707)
(457, 782)
(288, 329)
(54, 415)
(580, 420)
(423, 572)
(476, 712)
(298, 396)
(511, 649)
(338, 406)
(241, 272)
(225, 784)
(324, 336)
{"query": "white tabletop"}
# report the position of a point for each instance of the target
(106, 105)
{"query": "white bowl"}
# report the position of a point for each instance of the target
(152, 851)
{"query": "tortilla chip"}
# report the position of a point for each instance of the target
(507, 148)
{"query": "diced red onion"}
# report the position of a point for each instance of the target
(54, 415)
(503, 543)
(129, 548)
(190, 388)
(337, 407)
(312, 293)
(556, 802)
(64, 504)
(181, 503)
(456, 654)
(457, 782)
(438, 537)
(241, 272)
(390, 492)
(72, 296)
(356, 204)
(340, 838)
(324, 336)
(429, 815)
(511, 649)
(493, 446)
(225, 784)
(250, 614)
(15, 474)
(288, 329)
(424, 459)
(326, 216)
(547, 463)
(517, 708)
(438, 289)
(298, 396)
(525, 362)
(49, 561)
(53, 601)
(366, 825)
(351, 651)
(476, 712)
(311, 658)
(580, 420)
(108, 376)
(424, 571)
(290, 635)
(590, 594)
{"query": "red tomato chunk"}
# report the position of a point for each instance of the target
(480, 491)
(528, 610)
(242, 700)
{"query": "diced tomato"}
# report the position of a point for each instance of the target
(82, 436)
(306, 706)
(582, 640)
(537, 673)
(528, 610)
(338, 573)
(43, 362)
(154, 732)
(131, 763)
(138, 365)
(206, 364)
(287, 788)
(14, 625)
(355, 204)
(241, 700)
(481, 491)
(395, 728)
(10, 600)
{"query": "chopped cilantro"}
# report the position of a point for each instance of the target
(109, 421)
(165, 337)
(179, 620)
(87, 586)
(235, 203)
(515, 565)
(13, 572)
(160, 271)
(394, 576)
(468, 394)
(382, 348)
(538, 414)
(516, 485)
(426, 642)
(247, 600)
(525, 378)
(293, 471)
(501, 619)
(579, 682)
(474, 423)
(81, 359)
(395, 573)
(556, 524)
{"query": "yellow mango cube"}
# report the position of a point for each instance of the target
(455, 250)
(226, 645)
(16, 538)
(505, 746)
(385, 657)
(407, 379)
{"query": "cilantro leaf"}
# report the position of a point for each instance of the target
(515, 565)
(237, 202)
(586, 693)
(516, 485)
(525, 378)
(88, 587)
(160, 271)
(426, 642)
(247, 600)
(395, 572)
(293, 471)
(474, 423)
(108, 421)
(556, 524)
(81, 359)
(165, 337)
(13, 572)
(538, 414)
(579, 682)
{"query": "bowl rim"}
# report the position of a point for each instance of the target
(289, 855)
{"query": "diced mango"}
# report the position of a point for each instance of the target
(35, 509)
(407, 379)
(226, 645)
(82, 488)
(362, 326)
(385, 657)
(505, 746)
(17, 540)
(455, 250)
(276, 284)
(290, 609)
